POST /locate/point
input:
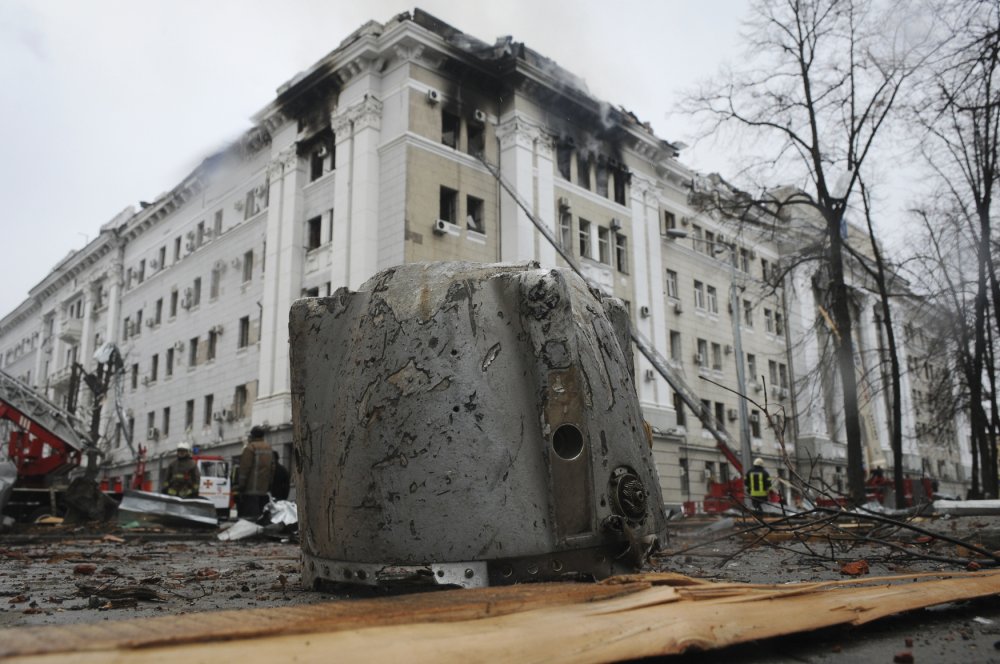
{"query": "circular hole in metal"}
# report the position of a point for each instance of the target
(567, 442)
(507, 571)
(440, 573)
(532, 569)
(557, 565)
(362, 574)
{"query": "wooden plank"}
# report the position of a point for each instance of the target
(653, 615)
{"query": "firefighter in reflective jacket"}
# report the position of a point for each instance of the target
(183, 478)
(758, 484)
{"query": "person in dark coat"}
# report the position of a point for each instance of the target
(758, 484)
(183, 478)
(281, 485)
(255, 475)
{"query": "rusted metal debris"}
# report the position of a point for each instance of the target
(625, 618)
(467, 424)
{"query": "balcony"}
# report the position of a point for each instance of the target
(70, 329)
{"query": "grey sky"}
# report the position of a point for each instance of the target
(108, 102)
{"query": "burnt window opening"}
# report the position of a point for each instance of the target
(474, 214)
(450, 126)
(602, 178)
(621, 180)
(583, 171)
(314, 235)
(448, 205)
(318, 161)
(564, 156)
(476, 138)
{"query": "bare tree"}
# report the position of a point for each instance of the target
(816, 92)
(960, 113)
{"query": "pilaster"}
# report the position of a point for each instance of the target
(517, 233)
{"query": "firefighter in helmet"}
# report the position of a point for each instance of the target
(758, 484)
(183, 478)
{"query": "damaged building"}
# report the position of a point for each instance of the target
(383, 153)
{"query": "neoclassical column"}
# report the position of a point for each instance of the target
(282, 285)
(646, 269)
(806, 358)
(114, 278)
(544, 148)
(870, 384)
(517, 233)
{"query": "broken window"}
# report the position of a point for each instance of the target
(193, 352)
(565, 230)
(602, 177)
(675, 346)
(699, 295)
(583, 171)
(476, 138)
(584, 236)
(450, 127)
(604, 245)
(564, 155)
(244, 336)
(207, 415)
(240, 402)
(317, 163)
(448, 205)
(621, 179)
(474, 214)
(672, 284)
(248, 266)
(314, 228)
(712, 297)
(189, 414)
(621, 253)
(165, 422)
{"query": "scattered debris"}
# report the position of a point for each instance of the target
(856, 568)
(967, 507)
(242, 529)
(85, 569)
(146, 507)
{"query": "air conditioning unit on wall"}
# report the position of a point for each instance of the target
(440, 226)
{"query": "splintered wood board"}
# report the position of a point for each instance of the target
(622, 618)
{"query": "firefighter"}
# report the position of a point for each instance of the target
(183, 478)
(758, 484)
(255, 475)
(281, 484)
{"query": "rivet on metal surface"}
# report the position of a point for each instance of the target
(557, 565)
(469, 573)
(532, 569)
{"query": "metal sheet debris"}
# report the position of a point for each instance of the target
(145, 507)
(967, 507)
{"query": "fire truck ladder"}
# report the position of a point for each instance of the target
(45, 438)
(662, 366)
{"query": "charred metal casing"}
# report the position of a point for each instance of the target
(467, 424)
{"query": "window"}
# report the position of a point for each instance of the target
(685, 477)
(310, 292)
(127, 326)
(173, 303)
(779, 323)
(584, 237)
(672, 284)
(137, 329)
(213, 284)
(717, 356)
(697, 237)
(317, 163)
(720, 414)
(248, 266)
(783, 376)
(193, 352)
(564, 156)
(621, 253)
(699, 295)
(702, 359)
(450, 125)
(177, 249)
(709, 245)
(765, 269)
(240, 402)
(213, 342)
(207, 415)
(162, 257)
(675, 346)
(141, 274)
(602, 177)
(474, 214)
(158, 315)
(150, 421)
(255, 202)
(314, 229)
(772, 372)
(448, 205)
(752, 367)
(748, 313)
(669, 222)
(604, 245)
(566, 230)
(196, 292)
(165, 422)
(134, 378)
(712, 298)
(706, 411)
(679, 409)
(217, 223)
(755, 423)
(582, 171)
(154, 367)
(745, 260)
(200, 234)
(189, 414)
(477, 138)
(168, 370)
(244, 336)
(621, 179)
(769, 320)
(131, 427)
